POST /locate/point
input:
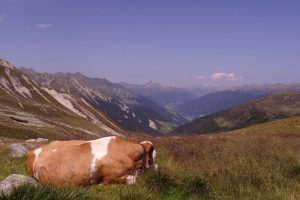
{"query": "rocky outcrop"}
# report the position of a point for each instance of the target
(17, 150)
(37, 140)
(6, 64)
(14, 181)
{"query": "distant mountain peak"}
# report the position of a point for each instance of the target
(27, 70)
(152, 84)
(5, 63)
(79, 74)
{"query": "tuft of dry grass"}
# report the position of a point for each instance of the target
(238, 166)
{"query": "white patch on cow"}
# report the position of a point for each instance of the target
(36, 153)
(154, 160)
(99, 151)
(154, 155)
(131, 180)
(144, 142)
(53, 150)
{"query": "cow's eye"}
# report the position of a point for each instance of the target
(139, 157)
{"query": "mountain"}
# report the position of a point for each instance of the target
(130, 111)
(221, 100)
(270, 88)
(28, 110)
(215, 102)
(202, 90)
(275, 106)
(166, 96)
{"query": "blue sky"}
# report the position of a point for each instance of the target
(173, 42)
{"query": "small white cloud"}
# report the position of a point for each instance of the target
(43, 26)
(200, 77)
(231, 77)
(2, 17)
(225, 76)
(218, 75)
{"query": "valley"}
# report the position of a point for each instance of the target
(246, 146)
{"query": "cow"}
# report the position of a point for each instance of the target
(106, 160)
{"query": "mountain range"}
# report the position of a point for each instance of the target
(46, 104)
(27, 109)
(166, 96)
(221, 100)
(130, 111)
(275, 106)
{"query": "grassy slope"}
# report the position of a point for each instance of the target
(258, 162)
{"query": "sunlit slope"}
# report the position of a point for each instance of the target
(28, 110)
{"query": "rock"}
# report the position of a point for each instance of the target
(14, 181)
(30, 140)
(17, 150)
(41, 140)
(37, 140)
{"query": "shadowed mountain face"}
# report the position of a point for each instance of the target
(216, 102)
(276, 106)
(130, 111)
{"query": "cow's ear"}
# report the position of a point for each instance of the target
(148, 146)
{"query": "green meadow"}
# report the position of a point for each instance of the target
(258, 162)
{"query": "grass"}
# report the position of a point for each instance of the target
(47, 193)
(10, 165)
(258, 162)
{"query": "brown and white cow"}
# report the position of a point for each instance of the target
(76, 162)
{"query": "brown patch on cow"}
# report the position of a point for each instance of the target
(30, 161)
(120, 161)
(68, 165)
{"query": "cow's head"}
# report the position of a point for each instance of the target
(149, 159)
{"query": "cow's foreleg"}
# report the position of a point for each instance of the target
(131, 180)
(126, 179)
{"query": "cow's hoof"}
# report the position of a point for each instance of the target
(130, 180)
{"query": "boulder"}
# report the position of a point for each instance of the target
(30, 140)
(14, 181)
(37, 140)
(17, 150)
(41, 140)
